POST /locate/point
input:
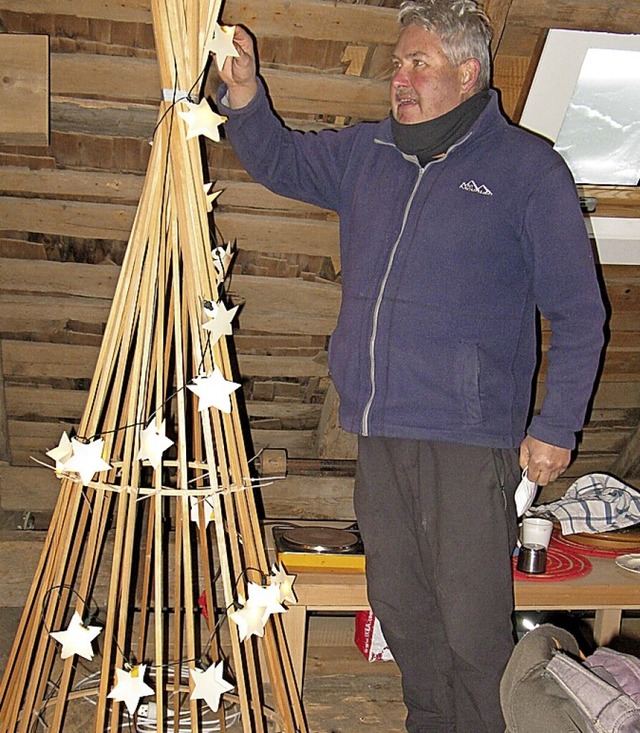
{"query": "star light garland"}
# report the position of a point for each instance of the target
(221, 44)
(209, 685)
(130, 687)
(250, 617)
(84, 457)
(76, 638)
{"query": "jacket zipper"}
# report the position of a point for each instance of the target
(376, 311)
(374, 329)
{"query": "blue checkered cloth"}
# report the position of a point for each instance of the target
(594, 503)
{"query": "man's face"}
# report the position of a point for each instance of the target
(424, 84)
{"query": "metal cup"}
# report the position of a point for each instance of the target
(532, 559)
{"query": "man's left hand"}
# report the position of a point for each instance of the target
(544, 462)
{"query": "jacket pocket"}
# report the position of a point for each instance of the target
(438, 382)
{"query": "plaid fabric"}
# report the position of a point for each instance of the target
(594, 503)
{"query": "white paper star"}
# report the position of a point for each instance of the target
(284, 582)
(209, 685)
(62, 453)
(211, 197)
(220, 323)
(207, 510)
(77, 638)
(222, 257)
(267, 598)
(131, 687)
(153, 443)
(213, 390)
(202, 120)
(249, 619)
(87, 459)
(221, 44)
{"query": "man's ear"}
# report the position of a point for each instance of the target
(469, 73)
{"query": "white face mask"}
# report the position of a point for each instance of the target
(525, 494)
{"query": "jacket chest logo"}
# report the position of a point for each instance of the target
(474, 188)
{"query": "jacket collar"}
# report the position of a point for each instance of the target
(487, 120)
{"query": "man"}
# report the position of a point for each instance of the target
(455, 226)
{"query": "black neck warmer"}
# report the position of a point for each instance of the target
(427, 140)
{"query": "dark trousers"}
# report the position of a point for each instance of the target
(438, 523)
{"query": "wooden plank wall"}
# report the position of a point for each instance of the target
(66, 211)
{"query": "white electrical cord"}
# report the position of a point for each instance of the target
(149, 725)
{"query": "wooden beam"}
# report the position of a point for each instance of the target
(619, 201)
(5, 452)
(124, 188)
(24, 89)
(497, 10)
(43, 295)
(126, 80)
(312, 19)
(627, 463)
(88, 220)
(44, 361)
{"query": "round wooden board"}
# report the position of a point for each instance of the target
(620, 540)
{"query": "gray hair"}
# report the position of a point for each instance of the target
(462, 26)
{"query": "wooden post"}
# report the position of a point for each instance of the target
(5, 452)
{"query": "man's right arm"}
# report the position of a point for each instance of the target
(304, 166)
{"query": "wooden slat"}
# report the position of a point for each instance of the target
(37, 403)
(294, 411)
(5, 452)
(71, 319)
(509, 74)
(125, 188)
(59, 278)
(29, 488)
(31, 440)
(100, 117)
(348, 96)
(527, 19)
(24, 89)
(608, 440)
(21, 249)
(275, 234)
(279, 235)
(308, 497)
(293, 305)
(31, 300)
(41, 361)
(621, 394)
(69, 218)
(36, 489)
(497, 10)
(71, 185)
(620, 201)
(313, 19)
(627, 462)
(132, 79)
(297, 443)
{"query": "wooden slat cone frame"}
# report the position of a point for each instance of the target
(154, 345)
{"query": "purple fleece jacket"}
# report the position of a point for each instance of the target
(443, 268)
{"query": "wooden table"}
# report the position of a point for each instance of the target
(607, 590)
